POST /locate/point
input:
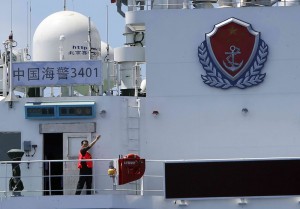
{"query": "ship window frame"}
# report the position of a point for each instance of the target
(57, 106)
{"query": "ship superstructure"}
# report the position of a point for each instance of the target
(220, 109)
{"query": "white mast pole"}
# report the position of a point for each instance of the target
(11, 96)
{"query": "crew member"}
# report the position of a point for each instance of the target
(85, 165)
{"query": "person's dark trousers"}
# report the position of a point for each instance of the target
(85, 178)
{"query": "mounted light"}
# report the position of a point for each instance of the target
(245, 110)
(242, 201)
(155, 113)
(102, 113)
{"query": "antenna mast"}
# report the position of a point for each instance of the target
(107, 48)
(26, 50)
(107, 54)
(90, 39)
(65, 5)
(11, 14)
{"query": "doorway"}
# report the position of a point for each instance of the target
(53, 171)
(71, 147)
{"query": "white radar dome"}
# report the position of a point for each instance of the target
(64, 36)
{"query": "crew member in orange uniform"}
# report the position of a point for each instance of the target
(85, 167)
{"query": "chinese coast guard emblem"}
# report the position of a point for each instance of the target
(233, 55)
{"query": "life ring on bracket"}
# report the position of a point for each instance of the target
(132, 156)
(134, 168)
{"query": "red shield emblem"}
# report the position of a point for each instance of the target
(232, 45)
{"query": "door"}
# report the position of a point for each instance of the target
(53, 170)
(71, 147)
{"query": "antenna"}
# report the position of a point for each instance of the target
(89, 39)
(107, 48)
(27, 28)
(11, 14)
(107, 54)
(30, 25)
(28, 57)
(65, 5)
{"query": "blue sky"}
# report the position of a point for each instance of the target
(17, 18)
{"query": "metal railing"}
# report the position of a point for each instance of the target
(136, 5)
(60, 177)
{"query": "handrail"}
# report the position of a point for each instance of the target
(40, 180)
(138, 5)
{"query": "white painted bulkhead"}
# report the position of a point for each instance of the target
(204, 122)
(195, 121)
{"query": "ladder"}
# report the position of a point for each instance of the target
(133, 134)
(133, 127)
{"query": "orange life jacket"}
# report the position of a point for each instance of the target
(88, 157)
